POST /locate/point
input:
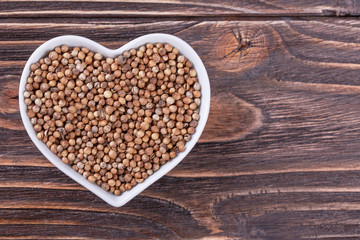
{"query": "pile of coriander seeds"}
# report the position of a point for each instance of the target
(114, 120)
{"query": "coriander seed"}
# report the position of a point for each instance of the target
(114, 120)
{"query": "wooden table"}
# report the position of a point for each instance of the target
(280, 156)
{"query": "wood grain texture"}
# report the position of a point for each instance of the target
(175, 8)
(279, 157)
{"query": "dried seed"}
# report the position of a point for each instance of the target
(115, 121)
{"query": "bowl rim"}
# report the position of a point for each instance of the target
(73, 40)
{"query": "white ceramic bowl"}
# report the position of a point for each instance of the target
(73, 41)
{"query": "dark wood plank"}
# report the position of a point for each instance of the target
(178, 8)
(293, 216)
(162, 218)
(253, 197)
(263, 90)
(277, 160)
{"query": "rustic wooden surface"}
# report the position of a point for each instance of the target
(280, 155)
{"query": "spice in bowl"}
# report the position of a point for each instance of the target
(114, 120)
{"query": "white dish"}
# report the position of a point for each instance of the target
(73, 41)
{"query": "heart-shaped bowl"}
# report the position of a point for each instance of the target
(78, 41)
